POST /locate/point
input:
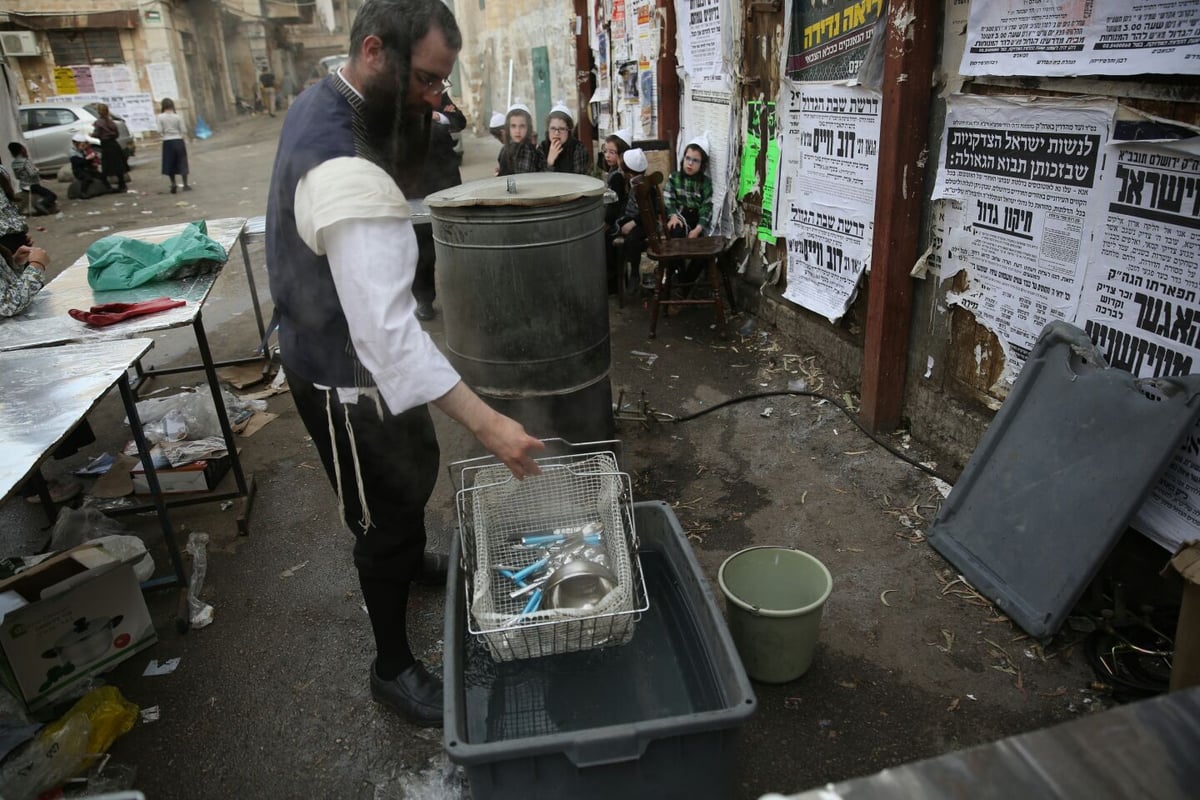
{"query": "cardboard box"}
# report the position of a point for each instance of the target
(70, 617)
(199, 476)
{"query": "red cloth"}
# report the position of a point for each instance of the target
(111, 313)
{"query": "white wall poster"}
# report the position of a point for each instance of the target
(1069, 37)
(162, 80)
(829, 168)
(1141, 299)
(701, 45)
(1023, 175)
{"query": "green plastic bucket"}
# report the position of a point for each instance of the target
(774, 597)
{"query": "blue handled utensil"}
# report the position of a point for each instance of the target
(535, 600)
(532, 568)
(543, 539)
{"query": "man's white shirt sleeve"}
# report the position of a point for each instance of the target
(351, 211)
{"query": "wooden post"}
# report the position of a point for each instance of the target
(585, 130)
(904, 139)
(667, 77)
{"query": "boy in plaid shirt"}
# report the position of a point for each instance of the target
(687, 194)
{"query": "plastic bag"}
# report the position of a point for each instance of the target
(112, 777)
(78, 525)
(48, 760)
(118, 262)
(200, 613)
(131, 550)
(67, 747)
(198, 413)
(108, 714)
(75, 526)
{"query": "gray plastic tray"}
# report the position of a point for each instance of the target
(1058, 475)
(654, 757)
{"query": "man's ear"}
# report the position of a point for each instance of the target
(373, 53)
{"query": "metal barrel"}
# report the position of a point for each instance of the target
(521, 280)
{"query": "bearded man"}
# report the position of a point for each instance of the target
(341, 258)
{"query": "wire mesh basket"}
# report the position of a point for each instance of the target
(500, 516)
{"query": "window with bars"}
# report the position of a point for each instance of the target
(97, 46)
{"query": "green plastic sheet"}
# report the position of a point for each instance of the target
(117, 262)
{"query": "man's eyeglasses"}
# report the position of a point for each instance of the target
(430, 82)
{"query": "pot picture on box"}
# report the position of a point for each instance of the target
(84, 643)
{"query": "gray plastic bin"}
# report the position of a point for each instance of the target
(656, 718)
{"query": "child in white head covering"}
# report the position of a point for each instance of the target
(562, 151)
(615, 146)
(496, 126)
(520, 152)
(629, 224)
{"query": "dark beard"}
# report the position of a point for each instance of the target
(398, 135)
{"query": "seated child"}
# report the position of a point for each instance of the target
(687, 198)
(629, 224)
(520, 153)
(31, 180)
(687, 194)
(496, 126)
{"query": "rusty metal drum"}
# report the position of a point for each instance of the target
(524, 295)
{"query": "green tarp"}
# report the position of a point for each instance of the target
(116, 262)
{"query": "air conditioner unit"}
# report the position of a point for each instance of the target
(19, 43)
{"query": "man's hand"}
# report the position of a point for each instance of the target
(504, 437)
(628, 226)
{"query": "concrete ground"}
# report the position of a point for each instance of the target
(272, 700)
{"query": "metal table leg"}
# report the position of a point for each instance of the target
(210, 372)
(262, 330)
(160, 506)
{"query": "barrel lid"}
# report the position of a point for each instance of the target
(531, 189)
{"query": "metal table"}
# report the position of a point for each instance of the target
(47, 392)
(46, 323)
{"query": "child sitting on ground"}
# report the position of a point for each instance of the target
(85, 166)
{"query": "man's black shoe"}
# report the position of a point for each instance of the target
(414, 693)
(434, 567)
(425, 312)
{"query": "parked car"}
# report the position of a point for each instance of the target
(48, 128)
(330, 64)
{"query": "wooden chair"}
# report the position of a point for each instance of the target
(667, 252)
